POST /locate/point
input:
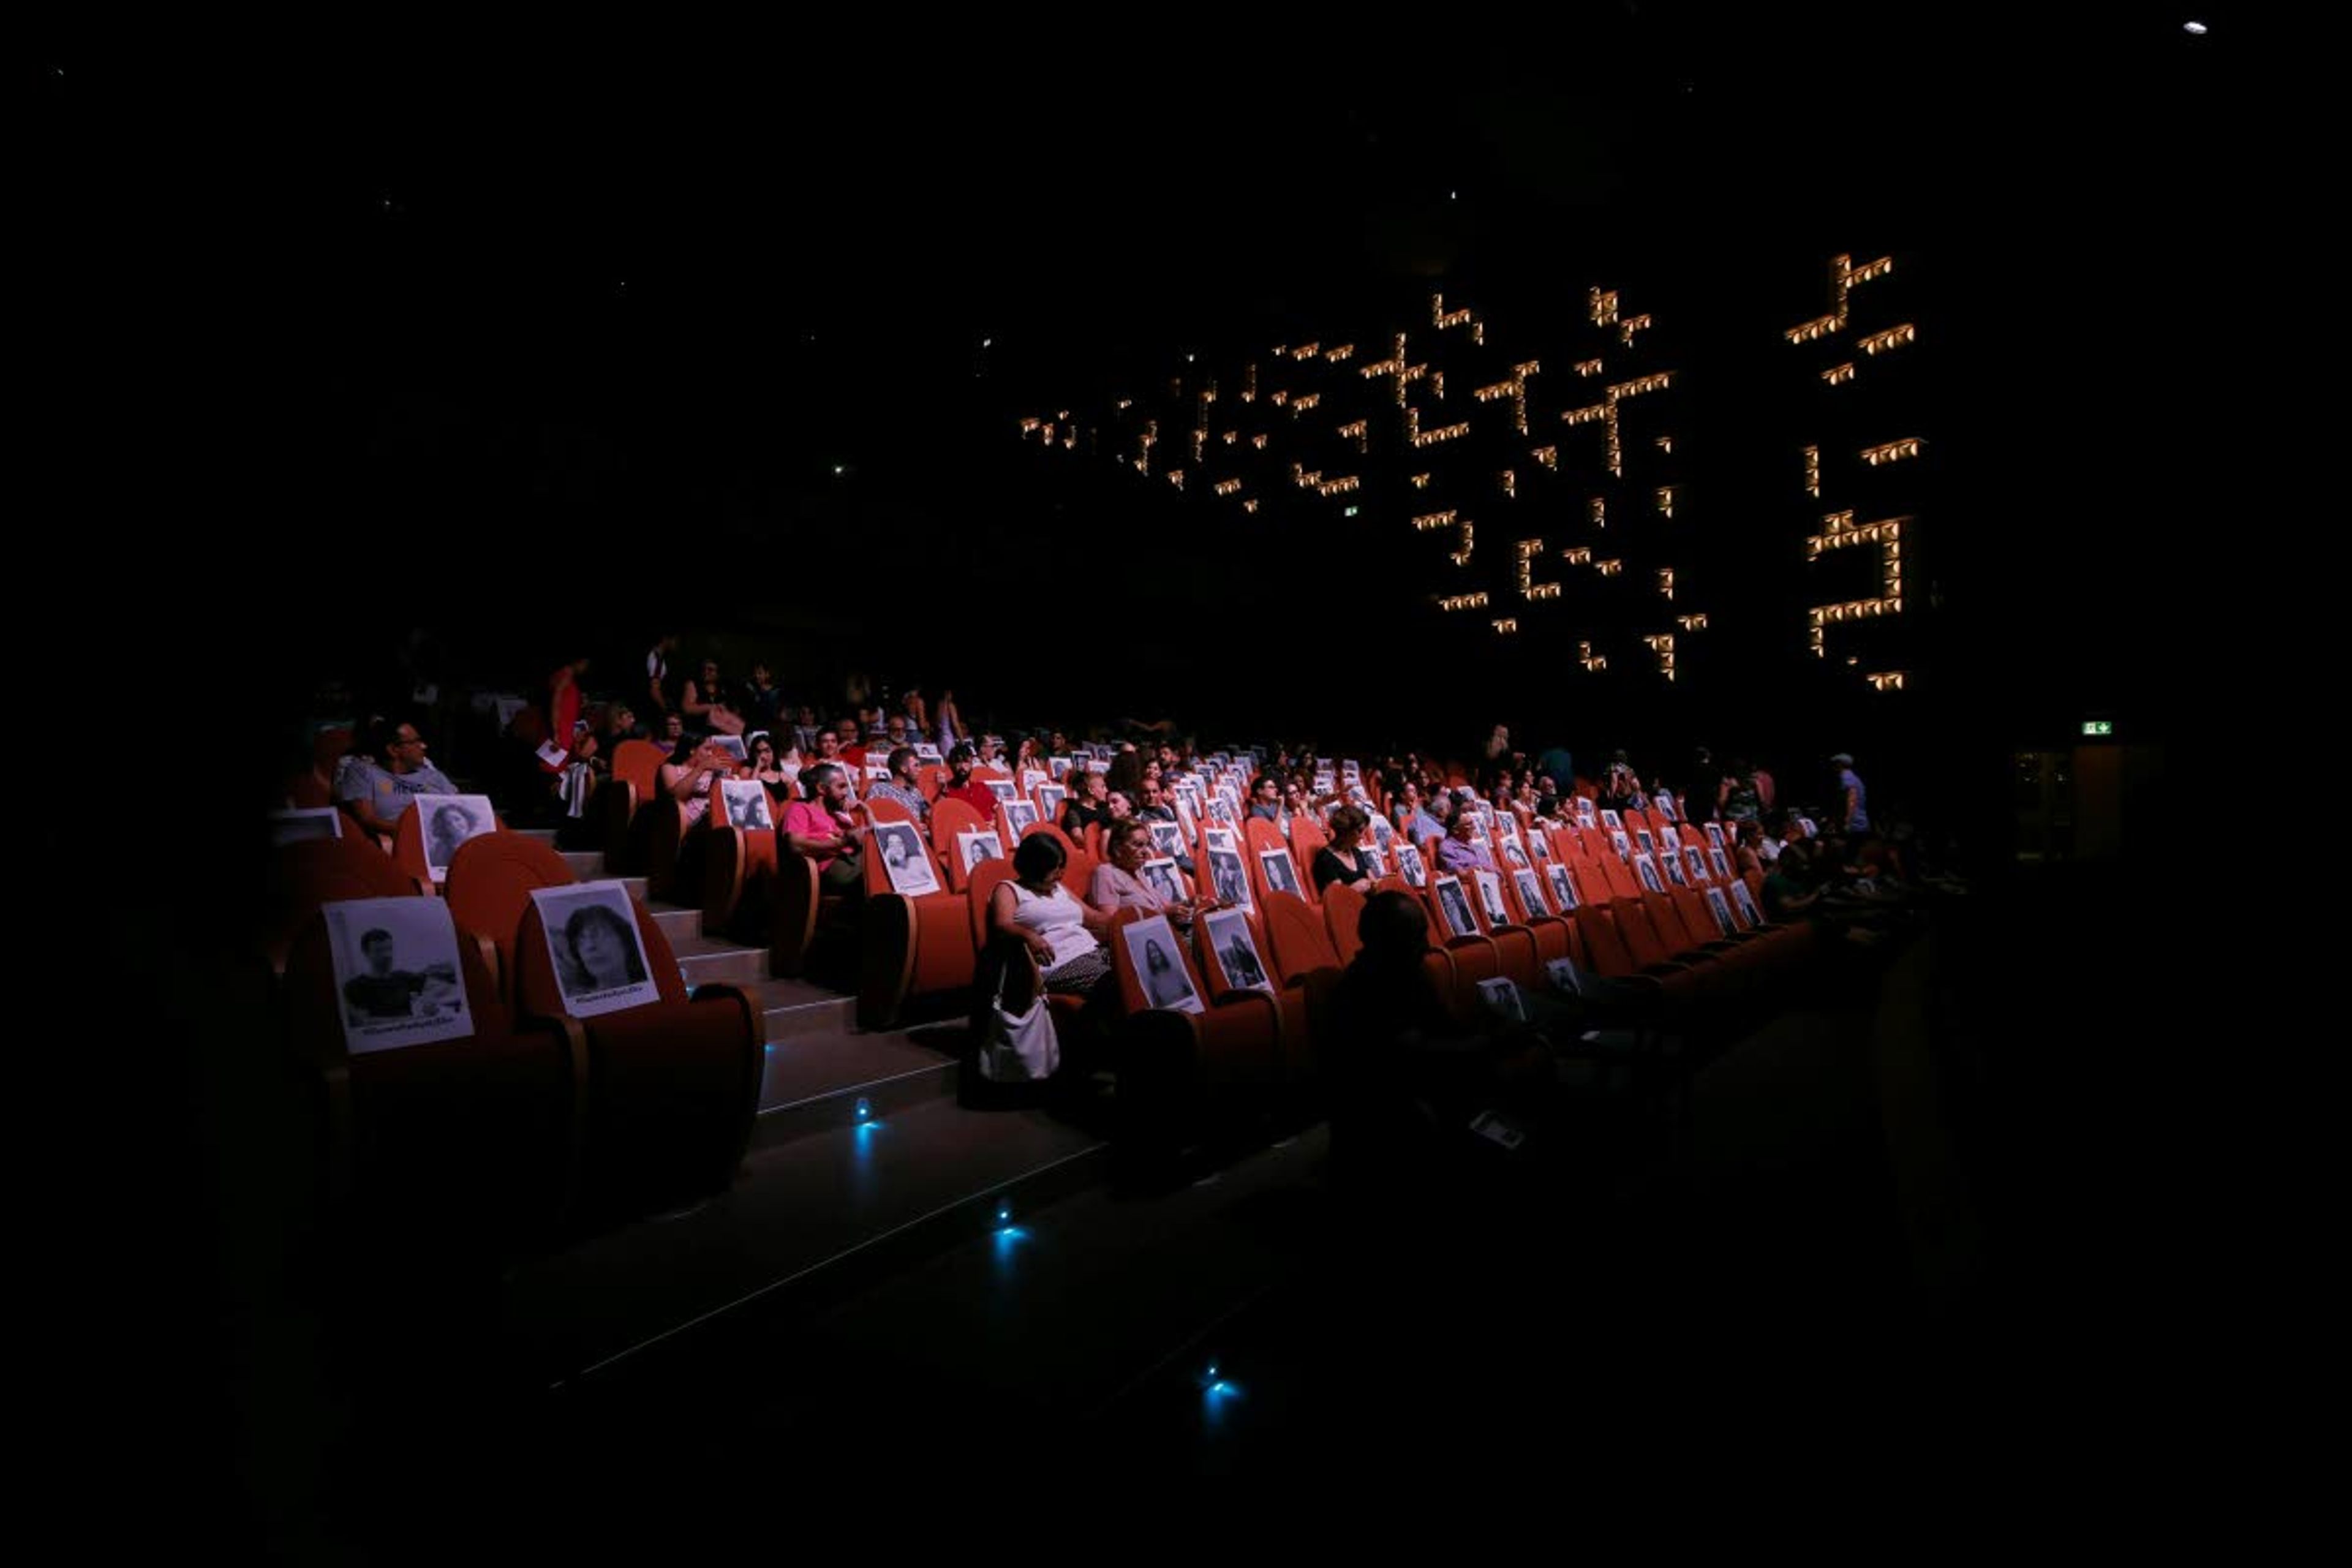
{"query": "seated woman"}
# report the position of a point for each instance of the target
(1340, 860)
(1120, 882)
(1033, 908)
(776, 775)
(1088, 805)
(691, 773)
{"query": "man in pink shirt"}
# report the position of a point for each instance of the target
(822, 829)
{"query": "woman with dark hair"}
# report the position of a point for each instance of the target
(1125, 774)
(601, 950)
(1033, 908)
(1340, 860)
(694, 768)
(770, 772)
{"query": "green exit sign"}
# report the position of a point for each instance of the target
(2099, 727)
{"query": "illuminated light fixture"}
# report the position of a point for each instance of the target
(1443, 318)
(1124, 404)
(1892, 452)
(1250, 505)
(1306, 353)
(1443, 433)
(1350, 511)
(1259, 440)
(1602, 305)
(1577, 554)
(1596, 512)
(1176, 478)
(2195, 30)
(1587, 367)
(1892, 338)
(1885, 679)
(1228, 487)
(1339, 487)
(1691, 622)
(1029, 425)
(1667, 582)
(1249, 383)
(2098, 726)
(1437, 385)
(1385, 367)
(1334, 356)
(1494, 390)
(1280, 350)
(1609, 568)
(1463, 602)
(1666, 500)
(1662, 644)
(1629, 326)
(1049, 441)
(1547, 456)
(1819, 327)
(1359, 431)
(1469, 543)
(1200, 439)
(1585, 415)
(865, 1111)
(1528, 550)
(1421, 481)
(1814, 471)
(1506, 628)
(1511, 483)
(1232, 436)
(1590, 660)
(1301, 405)
(1279, 399)
(1666, 445)
(1839, 374)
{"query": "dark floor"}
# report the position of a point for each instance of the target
(1916, 1216)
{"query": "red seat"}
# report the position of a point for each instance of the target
(305, 875)
(669, 1088)
(911, 945)
(453, 1151)
(636, 774)
(491, 878)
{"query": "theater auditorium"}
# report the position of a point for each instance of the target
(1032, 763)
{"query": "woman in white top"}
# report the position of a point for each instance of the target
(1033, 908)
(689, 774)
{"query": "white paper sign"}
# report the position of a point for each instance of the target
(593, 941)
(1236, 950)
(747, 803)
(300, 827)
(396, 973)
(448, 821)
(904, 859)
(1158, 960)
(974, 847)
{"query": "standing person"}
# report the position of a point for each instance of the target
(950, 720)
(760, 702)
(661, 692)
(1854, 800)
(1621, 784)
(563, 700)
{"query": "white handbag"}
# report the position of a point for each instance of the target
(1018, 1048)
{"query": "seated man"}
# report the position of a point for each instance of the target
(379, 789)
(901, 785)
(961, 785)
(822, 829)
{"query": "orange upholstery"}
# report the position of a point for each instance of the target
(454, 1151)
(491, 878)
(636, 772)
(1295, 933)
(1261, 838)
(1237, 1040)
(1343, 909)
(739, 881)
(305, 875)
(949, 818)
(669, 1088)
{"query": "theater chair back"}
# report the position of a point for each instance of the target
(491, 878)
(636, 774)
(320, 870)
(454, 1154)
(670, 1087)
(1343, 912)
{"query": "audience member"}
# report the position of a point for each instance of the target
(379, 788)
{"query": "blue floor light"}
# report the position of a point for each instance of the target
(865, 1111)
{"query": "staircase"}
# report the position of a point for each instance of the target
(863, 1160)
